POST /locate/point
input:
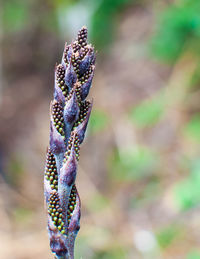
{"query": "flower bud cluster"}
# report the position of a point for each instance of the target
(69, 115)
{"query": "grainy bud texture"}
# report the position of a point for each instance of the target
(69, 115)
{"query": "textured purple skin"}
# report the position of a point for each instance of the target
(58, 95)
(74, 226)
(57, 143)
(71, 112)
(66, 180)
(57, 241)
(87, 61)
(68, 171)
(47, 190)
(70, 76)
(65, 149)
(85, 88)
(69, 54)
(81, 128)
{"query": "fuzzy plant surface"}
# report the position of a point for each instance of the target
(69, 115)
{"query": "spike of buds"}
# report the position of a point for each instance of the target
(69, 115)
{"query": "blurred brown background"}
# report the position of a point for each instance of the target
(139, 170)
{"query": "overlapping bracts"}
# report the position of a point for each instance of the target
(69, 115)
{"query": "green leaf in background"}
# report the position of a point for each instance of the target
(83, 250)
(148, 112)
(193, 255)
(23, 215)
(195, 79)
(167, 235)
(114, 253)
(15, 15)
(97, 202)
(187, 192)
(192, 128)
(149, 193)
(98, 121)
(132, 164)
(15, 171)
(50, 20)
(179, 26)
(63, 3)
(103, 21)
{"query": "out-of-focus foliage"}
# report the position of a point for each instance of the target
(98, 121)
(104, 22)
(193, 255)
(19, 16)
(113, 253)
(178, 30)
(103, 16)
(192, 128)
(148, 112)
(187, 192)
(15, 171)
(147, 194)
(132, 163)
(167, 235)
(98, 202)
(22, 216)
(15, 15)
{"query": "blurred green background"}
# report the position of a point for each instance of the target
(139, 171)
